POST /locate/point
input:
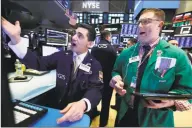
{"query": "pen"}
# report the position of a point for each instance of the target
(163, 73)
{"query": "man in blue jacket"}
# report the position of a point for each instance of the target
(78, 86)
(106, 55)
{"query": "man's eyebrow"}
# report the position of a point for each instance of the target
(79, 33)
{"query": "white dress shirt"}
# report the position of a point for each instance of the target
(20, 49)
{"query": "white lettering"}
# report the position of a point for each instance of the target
(84, 5)
(91, 4)
(94, 5)
(97, 5)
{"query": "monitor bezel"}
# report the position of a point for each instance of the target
(57, 44)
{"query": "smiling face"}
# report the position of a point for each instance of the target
(149, 27)
(80, 42)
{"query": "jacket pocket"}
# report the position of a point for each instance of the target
(161, 84)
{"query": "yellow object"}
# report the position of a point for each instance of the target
(23, 67)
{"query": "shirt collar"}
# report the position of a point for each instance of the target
(81, 56)
(153, 44)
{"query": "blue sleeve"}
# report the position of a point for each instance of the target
(41, 63)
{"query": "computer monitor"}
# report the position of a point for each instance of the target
(48, 50)
(188, 42)
(134, 29)
(182, 42)
(124, 28)
(178, 39)
(130, 29)
(55, 37)
(7, 118)
(115, 39)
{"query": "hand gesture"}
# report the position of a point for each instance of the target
(13, 31)
(117, 83)
(73, 112)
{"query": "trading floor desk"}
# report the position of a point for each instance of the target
(38, 85)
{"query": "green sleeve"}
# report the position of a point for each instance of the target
(117, 69)
(183, 76)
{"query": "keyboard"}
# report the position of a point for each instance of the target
(27, 113)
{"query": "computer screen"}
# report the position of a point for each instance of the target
(134, 29)
(115, 39)
(178, 39)
(188, 42)
(125, 28)
(54, 37)
(130, 29)
(182, 42)
(48, 50)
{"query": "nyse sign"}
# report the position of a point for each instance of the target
(91, 4)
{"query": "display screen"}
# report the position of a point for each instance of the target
(188, 42)
(126, 27)
(182, 42)
(48, 50)
(54, 37)
(122, 28)
(178, 39)
(115, 39)
(130, 29)
(134, 30)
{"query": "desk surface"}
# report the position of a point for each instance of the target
(49, 120)
(37, 85)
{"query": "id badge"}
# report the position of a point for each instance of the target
(133, 82)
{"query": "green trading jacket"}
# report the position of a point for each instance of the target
(177, 79)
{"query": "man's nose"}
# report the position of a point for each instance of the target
(74, 37)
(140, 25)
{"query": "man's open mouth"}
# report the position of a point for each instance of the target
(142, 33)
(73, 44)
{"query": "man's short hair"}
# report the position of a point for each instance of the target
(105, 34)
(91, 31)
(133, 40)
(160, 14)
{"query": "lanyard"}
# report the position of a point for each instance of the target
(140, 63)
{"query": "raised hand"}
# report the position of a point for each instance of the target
(13, 31)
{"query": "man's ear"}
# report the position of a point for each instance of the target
(161, 24)
(91, 44)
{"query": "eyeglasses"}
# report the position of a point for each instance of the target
(146, 21)
(175, 44)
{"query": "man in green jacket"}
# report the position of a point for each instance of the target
(155, 66)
